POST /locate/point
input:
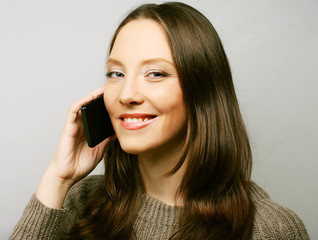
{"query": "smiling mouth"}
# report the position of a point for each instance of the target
(136, 122)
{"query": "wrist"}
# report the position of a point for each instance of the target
(52, 190)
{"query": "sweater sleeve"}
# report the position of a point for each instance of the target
(274, 221)
(41, 222)
(38, 222)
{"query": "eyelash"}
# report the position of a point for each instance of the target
(110, 73)
(159, 74)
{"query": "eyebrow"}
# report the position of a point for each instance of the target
(145, 62)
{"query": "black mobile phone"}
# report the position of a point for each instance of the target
(96, 120)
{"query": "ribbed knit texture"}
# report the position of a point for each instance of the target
(274, 221)
(155, 220)
(38, 222)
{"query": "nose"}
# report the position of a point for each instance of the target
(130, 93)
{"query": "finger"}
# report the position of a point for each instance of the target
(74, 109)
(98, 91)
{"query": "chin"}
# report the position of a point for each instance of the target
(134, 148)
(130, 148)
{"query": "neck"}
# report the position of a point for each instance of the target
(154, 169)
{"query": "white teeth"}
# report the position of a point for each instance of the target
(128, 120)
(134, 120)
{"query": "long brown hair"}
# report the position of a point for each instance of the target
(215, 187)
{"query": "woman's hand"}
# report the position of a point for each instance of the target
(73, 159)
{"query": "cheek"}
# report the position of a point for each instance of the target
(171, 105)
(109, 104)
(109, 99)
(168, 99)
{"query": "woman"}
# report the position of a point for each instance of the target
(179, 166)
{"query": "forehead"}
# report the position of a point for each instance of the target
(141, 39)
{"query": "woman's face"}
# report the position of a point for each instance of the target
(143, 95)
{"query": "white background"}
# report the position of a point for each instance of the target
(54, 52)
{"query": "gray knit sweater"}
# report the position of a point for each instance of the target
(155, 220)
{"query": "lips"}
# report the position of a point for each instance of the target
(136, 121)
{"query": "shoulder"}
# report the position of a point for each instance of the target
(274, 221)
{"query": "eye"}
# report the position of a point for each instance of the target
(114, 74)
(156, 74)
